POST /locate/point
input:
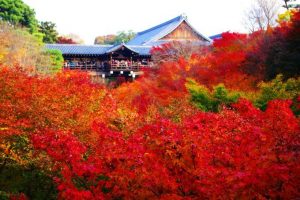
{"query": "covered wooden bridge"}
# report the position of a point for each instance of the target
(104, 58)
(132, 57)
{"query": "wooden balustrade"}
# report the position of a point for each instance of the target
(134, 66)
(84, 67)
(127, 67)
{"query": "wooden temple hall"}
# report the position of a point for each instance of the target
(128, 58)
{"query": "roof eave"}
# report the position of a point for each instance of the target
(117, 47)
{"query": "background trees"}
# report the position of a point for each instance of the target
(18, 13)
(49, 31)
(284, 55)
(22, 40)
(65, 40)
(289, 4)
(106, 39)
(71, 38)
(262, 15)
(120, 37)
(20, 48)
(124, 36)
(277, 51)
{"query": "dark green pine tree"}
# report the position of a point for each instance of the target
(49, 31)
(288, 4)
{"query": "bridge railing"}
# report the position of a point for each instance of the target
(110, 67)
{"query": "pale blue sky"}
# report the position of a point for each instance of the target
(90, 18)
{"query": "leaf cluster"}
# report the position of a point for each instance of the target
(210, 101)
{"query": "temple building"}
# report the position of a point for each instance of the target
(130, 57)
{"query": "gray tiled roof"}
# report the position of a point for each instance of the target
(76, 49)
(79, 49)
(115, 48)
(154, 34)
(142, 50)
(217, 36)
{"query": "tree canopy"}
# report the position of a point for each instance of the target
(124, 36)
(290, 4)
(120, 37)
(49, 31)
(17, 12)
(105, 39)
(18, 47)
(65, 40)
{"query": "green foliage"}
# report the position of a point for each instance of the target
(49, 31)
(278, 89)
(16, 12)
(123, 36)
(56, 60)
(290, 4)
(210, 100)
(31, 181)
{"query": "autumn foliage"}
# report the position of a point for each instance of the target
(65, 40)
(83, 137)
(240, 153)
(197, 126)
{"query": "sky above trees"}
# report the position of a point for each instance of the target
(91, 18)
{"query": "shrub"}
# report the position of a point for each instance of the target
(213, 100)
(278, 89)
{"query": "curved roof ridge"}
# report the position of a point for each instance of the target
(165, 32)
(156, 33)
(178, 18)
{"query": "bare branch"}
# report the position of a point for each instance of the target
(262, 15)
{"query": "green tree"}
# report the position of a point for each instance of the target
(49, 31)
(105, 39)
(16, 12)
(278, 89)
(288, 4)
(210, 101)
(124, 36)
(56, 60)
